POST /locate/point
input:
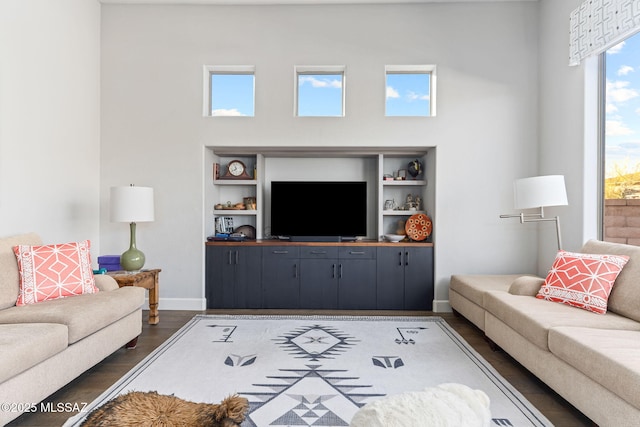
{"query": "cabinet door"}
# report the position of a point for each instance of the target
(220, 277)
(390, 286)
(281, 277)
(418, 278)
(247, 284)
(357, 284)
(319, 283)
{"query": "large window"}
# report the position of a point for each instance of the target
(622, 141)
(622, 120)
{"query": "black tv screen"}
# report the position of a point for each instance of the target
(318, 208)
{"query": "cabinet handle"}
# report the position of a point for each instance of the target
(318, 252)
(406, 258)
(229, 261)
(356, 252)
(400, 258)
(333, 271)
(295, 271)
(340, 272)
(280, 252)
(237, 257)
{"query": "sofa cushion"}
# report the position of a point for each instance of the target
(582, 280)
(9, 277)
(26, 344)
(532, 318)
(473, 286)
(608, 357)
(526, 285)
(54, 271)
(625, 295)
(82, 314)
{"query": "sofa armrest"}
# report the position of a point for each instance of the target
(105, 282)
(526, 285)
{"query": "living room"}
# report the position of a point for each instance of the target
(123, 97)
(97, 94)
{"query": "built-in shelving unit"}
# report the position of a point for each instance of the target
(396, 191)
(374, 166)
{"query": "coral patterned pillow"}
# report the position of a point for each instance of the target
(582, 280)
(54, 271)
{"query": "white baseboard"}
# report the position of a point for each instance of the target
(196, 304)
(442, 306)
(439, 306)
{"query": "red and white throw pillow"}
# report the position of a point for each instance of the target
(54, 271)
(582, 280)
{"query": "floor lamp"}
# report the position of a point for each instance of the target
(132, 204)
(539, 192)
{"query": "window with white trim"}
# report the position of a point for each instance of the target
(410, 90)
(229, 91)
(319, 91)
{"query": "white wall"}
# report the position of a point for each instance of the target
(567, 144)
(486, 131)
(50, 119)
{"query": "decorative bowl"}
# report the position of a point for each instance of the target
(395, 238)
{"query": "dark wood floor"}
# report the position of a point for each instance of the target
(93, 382)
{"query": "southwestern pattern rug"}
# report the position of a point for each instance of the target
(316, 370)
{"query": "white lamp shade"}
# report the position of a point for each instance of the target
(539, 191)
(131, 204)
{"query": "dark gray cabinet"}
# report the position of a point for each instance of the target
(280, 276)
(232, 279)
(319, 276)
(405, 278)
(342, 277)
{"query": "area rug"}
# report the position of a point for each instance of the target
(316, 370)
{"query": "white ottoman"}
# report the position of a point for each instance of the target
(447, 405)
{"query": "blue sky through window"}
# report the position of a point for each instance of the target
(408, 94)
(232, 94)
(622, 127)
(320, 95)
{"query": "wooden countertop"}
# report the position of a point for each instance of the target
(275, 242)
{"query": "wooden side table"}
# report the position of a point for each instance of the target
(147, 279)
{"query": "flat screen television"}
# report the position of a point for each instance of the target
(319, 210)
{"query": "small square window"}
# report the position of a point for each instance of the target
(410, 91)
(229, 91)
(320, 91)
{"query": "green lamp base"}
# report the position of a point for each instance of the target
(132, 259)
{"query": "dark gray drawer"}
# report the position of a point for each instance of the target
(281, 252)
(321, 252)
(357, 252)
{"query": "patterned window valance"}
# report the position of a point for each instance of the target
(597, 25)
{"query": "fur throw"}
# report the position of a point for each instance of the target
(447, 405)
(150, 409)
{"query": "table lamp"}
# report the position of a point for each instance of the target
(132, 204)
(538, 192)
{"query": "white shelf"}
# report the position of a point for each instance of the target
(406, 182)
(234, 212)
(235, 181)
(401, 213)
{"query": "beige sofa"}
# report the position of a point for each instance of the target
(44, 346)
(591, 360)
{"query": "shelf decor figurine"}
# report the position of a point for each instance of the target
(414, 168)
(132, 204)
